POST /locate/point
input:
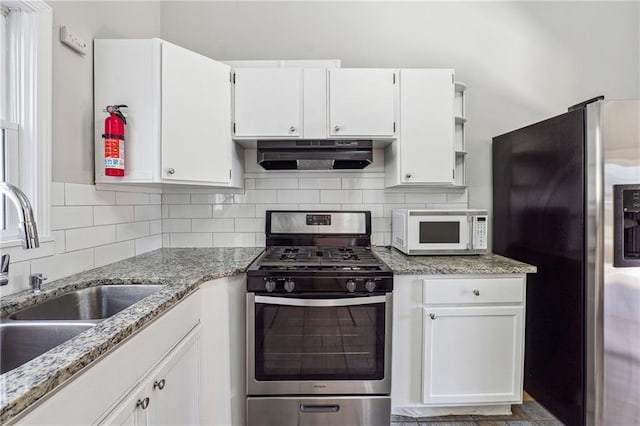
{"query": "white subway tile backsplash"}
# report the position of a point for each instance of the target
(376, 210)
(146, 244)
(189, 210)
(132, 198)
(249, 183)
(176, 198)
(129, 231)
(320, 183)
(155, 199)
(106, 215)
(380, 196)
(71, 217)
(325, 207)
(261, 239)
(59, 245)
(55, 267)
(81, 238)
(457, 197)
(340, 196)
(425, 198)
(277, 183)
(176, 225)
(362, 183)
(151, 212)
(382, 224)
(212, 198)
(298, 196)
(235, 239)
(155, 227)
(212, 225)
(234, 210)
(110, 253)
(191, 239)
(57, 194)
(256, 196)
(87, 195)
(262, 208)
(18, 278)
(248, 225)
(389, 207)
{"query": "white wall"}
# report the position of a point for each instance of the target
(73, 130)
(523, 62)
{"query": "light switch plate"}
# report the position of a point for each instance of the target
(73, 40)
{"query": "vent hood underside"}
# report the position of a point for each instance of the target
(315, 154)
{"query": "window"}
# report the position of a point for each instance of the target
(25, 109)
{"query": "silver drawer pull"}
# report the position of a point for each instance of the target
(159, 384)
(476, 292)
(329, 408)
(143, 403)
(432, 316)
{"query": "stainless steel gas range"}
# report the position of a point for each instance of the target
(318, 323)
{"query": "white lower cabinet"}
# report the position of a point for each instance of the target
(170, 394)
(458, 344)
(472, 355)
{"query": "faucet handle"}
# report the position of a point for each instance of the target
(36, 282)
(4, 269)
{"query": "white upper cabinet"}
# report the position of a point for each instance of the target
(424, 152)
(268, 103)
(362, 102)
(178, 116)
(196, 111)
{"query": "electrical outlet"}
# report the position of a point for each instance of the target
(73, 40)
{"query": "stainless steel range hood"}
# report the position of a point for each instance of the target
(314, 154)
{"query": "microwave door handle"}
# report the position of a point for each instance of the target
(471, 243)
(348, 301)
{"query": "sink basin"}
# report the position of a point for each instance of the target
(93, 303)
(21, 342)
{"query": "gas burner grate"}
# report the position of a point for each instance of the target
(315, 257)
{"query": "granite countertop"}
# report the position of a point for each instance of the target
(181, 271)
(451, 265)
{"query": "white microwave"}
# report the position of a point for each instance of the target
(426, 232)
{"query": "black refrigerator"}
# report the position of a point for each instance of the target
(566, 198)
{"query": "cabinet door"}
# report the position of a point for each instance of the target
(196, 117)
(426, 126)
(362, 102)
(472, 355)
(268, 102)
(131, 411)
(175, 385)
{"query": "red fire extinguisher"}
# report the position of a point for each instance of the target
(114, 141)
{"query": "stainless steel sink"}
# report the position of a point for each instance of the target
(22, 341)
(93, 303)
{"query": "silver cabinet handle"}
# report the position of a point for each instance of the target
(143, 403)
(171, 171)
(159, 384)
(292, 129)
(336, 128)
(408, 175)
(476, 292)
(432, 316)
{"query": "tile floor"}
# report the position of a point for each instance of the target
(530, 413)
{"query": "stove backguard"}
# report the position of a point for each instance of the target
(318, 228)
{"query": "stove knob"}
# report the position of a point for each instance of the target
(270, 285)
(351, 286)
(289, 285)
(370, 285)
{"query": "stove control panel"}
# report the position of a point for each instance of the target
(275, 283)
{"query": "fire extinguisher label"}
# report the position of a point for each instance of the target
(113, 153)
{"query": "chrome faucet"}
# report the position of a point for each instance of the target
(26, 223)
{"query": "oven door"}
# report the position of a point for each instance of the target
(318, 344)
(439, 233)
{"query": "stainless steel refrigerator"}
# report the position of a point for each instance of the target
(566, 198)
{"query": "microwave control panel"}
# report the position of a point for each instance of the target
(480, 227)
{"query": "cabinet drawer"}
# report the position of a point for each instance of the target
(473, 290)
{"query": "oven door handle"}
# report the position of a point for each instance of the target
(286, 301)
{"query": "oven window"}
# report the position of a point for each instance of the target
(319, 343)
(439, 232)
